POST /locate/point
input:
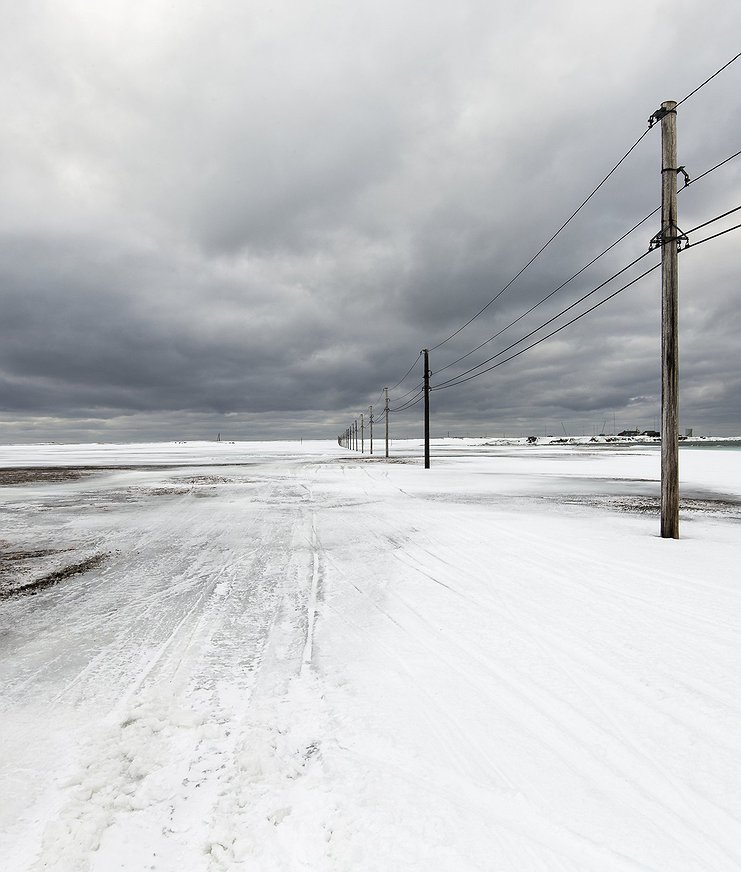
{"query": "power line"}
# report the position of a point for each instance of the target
(406, 373)
(411, 405)
(551, 294)
(546, 244)
(713, 169)
(579, 208)
(470, 372)
(579, 272)
(453, 383)
(714, 236)
(713, 220)
(549, 321)
(396, 399)
(408, 405)
(709, 79)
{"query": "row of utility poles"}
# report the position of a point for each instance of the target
(670, 239)
(350, 438)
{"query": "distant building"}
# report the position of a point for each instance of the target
(688, 432)
(629, 433)
(654, 433)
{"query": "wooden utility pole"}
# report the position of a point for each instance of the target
(362, 434)
(355, 435)
(426, 354)
(370, 421)
(386, 392)
(669, 325)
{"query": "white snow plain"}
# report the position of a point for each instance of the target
(295, 657)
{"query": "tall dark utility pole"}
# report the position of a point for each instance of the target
(426, 354)
(386, 392)
(370, 424)
(362, 434)
(670, 235)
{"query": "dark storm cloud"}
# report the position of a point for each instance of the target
(250, 217)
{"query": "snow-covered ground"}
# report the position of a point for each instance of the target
(292, 657)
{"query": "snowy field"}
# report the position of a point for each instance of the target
(274, 656)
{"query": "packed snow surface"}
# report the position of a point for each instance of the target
(274, 656)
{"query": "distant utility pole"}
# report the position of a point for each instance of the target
(370, 421)
(355, 434)
(386, 392)
(670, 240)
(426, 354)
(362, 434)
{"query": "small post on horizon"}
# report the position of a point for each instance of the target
(362, 434)
(370, 422)
(426, 354)
(670, 236)
(386, 392)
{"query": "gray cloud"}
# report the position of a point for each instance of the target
(250, 217)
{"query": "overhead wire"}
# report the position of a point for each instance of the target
(579, 208)
(713, 220)
(547, 243)
(408, 405)
(411, 403)
(712, 169)
(406, 373)
(579, 272)
(550, 320)
(549, 295)
(714, 236)
(396, 399)
(454, 383)
(709, 79)
(458, 379)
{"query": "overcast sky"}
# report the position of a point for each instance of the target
(248, 217)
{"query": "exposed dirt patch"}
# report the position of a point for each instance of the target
(208, 479)
(51, 578)
(50, 474)
(688, 507)
(165, 491)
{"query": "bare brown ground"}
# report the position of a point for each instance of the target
(51, 578)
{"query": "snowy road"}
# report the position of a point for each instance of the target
(287, 657)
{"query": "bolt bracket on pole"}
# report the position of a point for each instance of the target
(660, 113)
(681, 239)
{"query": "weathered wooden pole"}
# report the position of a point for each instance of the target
(386, 391)
(669, 325)
(426, 354)
(370, 423)
(362, 434)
